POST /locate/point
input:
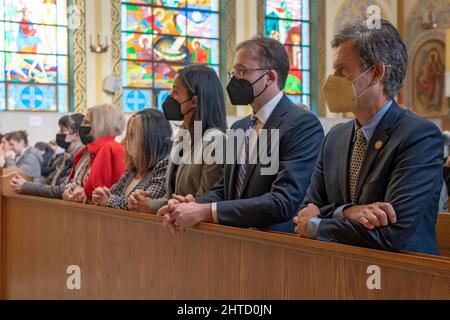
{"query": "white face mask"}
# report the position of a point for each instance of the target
(340, 93)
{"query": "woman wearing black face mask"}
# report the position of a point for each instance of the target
(68, 139)
(102, 161)
(197, 97)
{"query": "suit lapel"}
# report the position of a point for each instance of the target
(379, 139)
(273, 122)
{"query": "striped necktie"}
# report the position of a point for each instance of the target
(242, 168)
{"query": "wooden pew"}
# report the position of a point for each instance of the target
(443, 233)
(124, 255)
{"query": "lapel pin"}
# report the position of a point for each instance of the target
(378, 145)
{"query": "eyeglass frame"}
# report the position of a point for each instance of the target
(232, 72)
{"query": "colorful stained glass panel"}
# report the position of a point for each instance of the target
(31, 68)
(135, 100)
(137, 74)
(31, 97)
(290, 10)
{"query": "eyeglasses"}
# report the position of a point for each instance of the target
(241, 71)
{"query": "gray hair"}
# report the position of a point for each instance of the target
(378, 46)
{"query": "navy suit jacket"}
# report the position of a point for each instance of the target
(403, 166)
(268, 201)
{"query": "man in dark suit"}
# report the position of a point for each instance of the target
(378, 178)
(246, 195)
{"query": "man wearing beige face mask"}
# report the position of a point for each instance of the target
(378, 178)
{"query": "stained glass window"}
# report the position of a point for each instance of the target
(158, 38)
(288, 21)
(34, 55)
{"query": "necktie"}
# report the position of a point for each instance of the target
(242, 168)
(358, 154)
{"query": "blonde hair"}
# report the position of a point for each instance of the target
(107, 120)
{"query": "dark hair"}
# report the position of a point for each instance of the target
(202, 81)
(154, 134)
(271, 55)
(42, 146)
(71, 122)
(378, 46)
(18, 136)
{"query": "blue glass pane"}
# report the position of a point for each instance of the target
(37, 40)
(305, 82)
(295, 99)
(161, 96)
(62, 69)
(305, 58)
(24, 97)
(2, 66)
(2, 37)
(306, 101)
(62, 40)
(305, 9)
(135, 100)
(2, 97)
(305, 34)
(63, 101)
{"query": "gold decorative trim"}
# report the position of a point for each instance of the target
(115, 47)
(79, 60)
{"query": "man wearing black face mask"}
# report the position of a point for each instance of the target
(245, 196)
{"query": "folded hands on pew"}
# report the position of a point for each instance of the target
(100, 196)
(17, 183)
(371, 216)
(75, 193)
(183, 212)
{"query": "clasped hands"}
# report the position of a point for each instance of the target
(371, 216)
(183, 212)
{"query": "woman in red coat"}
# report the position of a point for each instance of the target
(102, 161)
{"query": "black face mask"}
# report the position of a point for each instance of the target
(61, 141)
(240, 91)
(85, 136)
(172, 109)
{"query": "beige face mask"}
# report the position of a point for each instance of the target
(340, 93)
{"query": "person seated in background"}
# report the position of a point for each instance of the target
(27, 158)
(197, 96)
(67, 139)
(102, 161)
(47, 156)
(6, 152)
(378, 178)
(147, 147)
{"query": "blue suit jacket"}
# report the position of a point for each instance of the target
(403, 166)
(271, 201)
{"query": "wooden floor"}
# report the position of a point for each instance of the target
(124, 255)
